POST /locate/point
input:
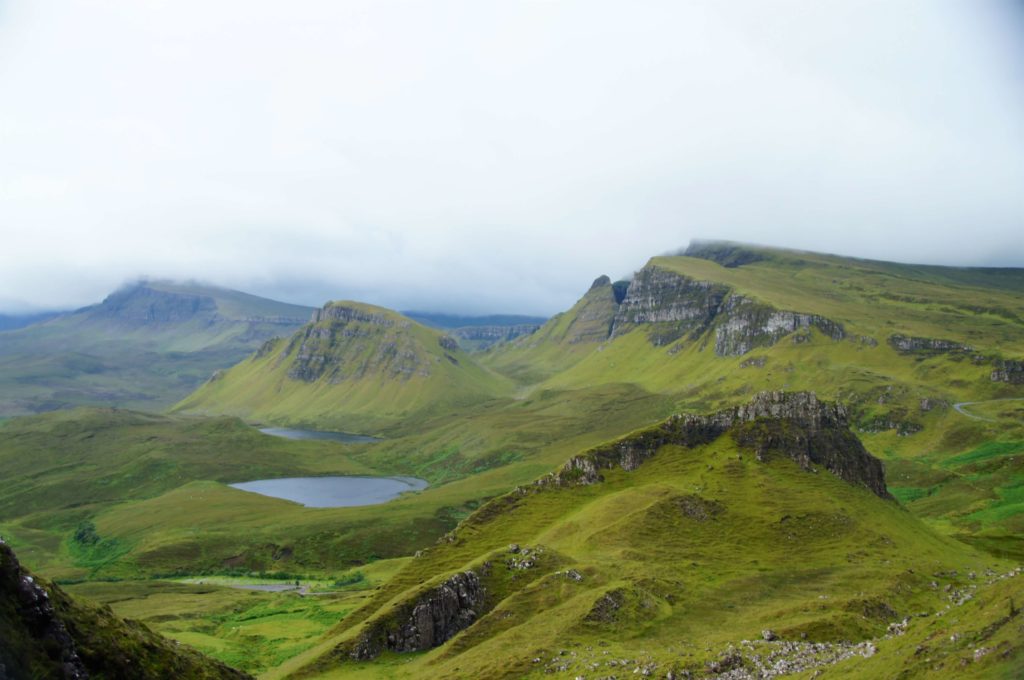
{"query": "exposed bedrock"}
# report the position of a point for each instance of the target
(433, 619)
(908, 344)
(1008, 371)
(31, 605)
(672, 305)
(658, 296)
(798, 425)
(748, 324)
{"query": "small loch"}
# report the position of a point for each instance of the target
(343, 437)
(334, 492)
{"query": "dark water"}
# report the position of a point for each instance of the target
(314, 434)
(334, 492)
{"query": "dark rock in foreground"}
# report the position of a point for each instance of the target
(46, 634)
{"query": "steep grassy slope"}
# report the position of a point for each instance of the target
(564, 339)
(682, 547)
(700, 546)
(46, 634)
(900, 344)
(355, 367)
(147, 345)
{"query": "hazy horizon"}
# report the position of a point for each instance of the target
(474, 158)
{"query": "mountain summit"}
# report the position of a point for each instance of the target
(146, 345)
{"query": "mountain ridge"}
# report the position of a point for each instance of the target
(145, 345)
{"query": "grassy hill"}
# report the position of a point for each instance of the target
(901, 345)
(926, 361)
(688, 544)
(145, 346)
(355, 367)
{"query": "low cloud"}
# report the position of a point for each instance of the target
(477, 157)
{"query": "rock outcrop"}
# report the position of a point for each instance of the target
(670, 306)
(345, 314)
(431, 620)
(910, 344)
(142, 304)
(46, 634)
(748, 324)
(1008, 371)
(343, 341)
(793, 424)
(677, 303)
(482, 337)
(33, 611)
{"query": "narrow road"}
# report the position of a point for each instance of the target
(960, 407)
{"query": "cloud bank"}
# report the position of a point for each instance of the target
(493, 156)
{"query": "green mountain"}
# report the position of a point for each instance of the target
(46, 634)
(669, 551)
(354, 367)
(737, 440)
(145, 346)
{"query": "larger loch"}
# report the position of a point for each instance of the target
(331, 492)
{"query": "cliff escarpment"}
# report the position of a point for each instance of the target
(670, 306)
(796, 425)
(483, 337)
(46, 634)
(428, 621)
(346, 342)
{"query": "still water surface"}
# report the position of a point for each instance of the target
(334, 492)
(345, 437)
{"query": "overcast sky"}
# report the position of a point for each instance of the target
(493, 155)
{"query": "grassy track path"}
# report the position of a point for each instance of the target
(960, 407)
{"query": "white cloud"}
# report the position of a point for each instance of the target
(476, 156)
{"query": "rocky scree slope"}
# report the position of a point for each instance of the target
(46, 634)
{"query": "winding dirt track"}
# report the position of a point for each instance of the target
(960, 407)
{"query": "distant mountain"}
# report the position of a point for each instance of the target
(10, 322)
(449, 321)
(146, 345)
(354, 367)
(476, 333)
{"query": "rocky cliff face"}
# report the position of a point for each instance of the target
(482, 337)
(431, 620)
(677, 303)
(1008, 371)
(29, 605)
(748, 324)
(908, 344)
(46, 634)
(670, 306)
(144, 305)
(345, 314)
(343, 342)
(793, 424)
